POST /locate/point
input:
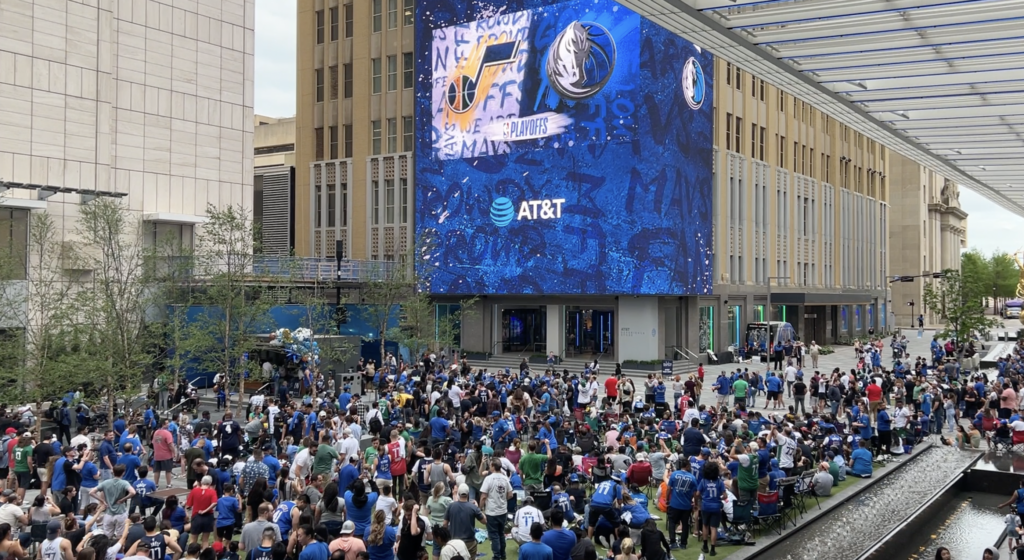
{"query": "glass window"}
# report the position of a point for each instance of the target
(404, 200)
(348, 140)
(408, 70)
(332, 206)
(389, 201)
(407, 132)
(375, 212)
(319, 27)
(349, 21)
(392, 136)
(706, 329)
(334, 142)
(392, 14)
(319, 85)
(334, 82)
(409, 12)
(759, 313)
(734, 316)
(857, 316)
(392, 73)
(375, 137)
(343, 202)
(844, 322)
(318, 141)
(374, 75)
(335, 23)
(377, 13)
(347, 79)
(319, 206)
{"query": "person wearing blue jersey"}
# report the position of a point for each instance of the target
(1016, 500)
(710, 493)
(773, 383)
(681, 487)
(697, 463)
(284, 519)
(606, 499)
(381, 468)
(228, 508)
(861, 461)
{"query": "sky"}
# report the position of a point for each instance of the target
(990, 228)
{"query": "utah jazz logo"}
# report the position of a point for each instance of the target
(693, 83)
(462, 91)
(581, 60)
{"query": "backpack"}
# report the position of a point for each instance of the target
(58, 416)
(375, 424)
(4, 458)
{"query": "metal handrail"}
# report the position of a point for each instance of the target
(681, 353)
(534, 346)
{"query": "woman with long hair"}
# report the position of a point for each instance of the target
(437, 505)
(942, 553)
(380, 537)
(255, 498)
(9, 546)
(284, 485)
(626, 546)
(175, 514)
(328, 511)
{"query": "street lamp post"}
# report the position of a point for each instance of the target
(912, 316)
(770, 278)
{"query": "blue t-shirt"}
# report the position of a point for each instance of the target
(273, 465)
(884, 422)
(860, 462)
(107, 450)
(361, 517)
(136, 445)
(383, 466)
(561, 542)
(130, 462)
(438, 428)
(344, 399)
(58, 482)
(865, 432)
(774, 384)
(384, 550)
(605, 495)
(535, 551)
(638, 515)
(89, 471)
(317, 550)
(226, 508)
(178, 519)
(346, 476)
(681, 485)
(711, 493)
(207, 449)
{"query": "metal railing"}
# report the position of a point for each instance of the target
(303, 269)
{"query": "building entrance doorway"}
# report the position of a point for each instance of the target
(589, 332)
(524, 330)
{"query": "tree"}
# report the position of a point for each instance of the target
(323, 320)
(1005, 274)
(125, 293)
(422, 327)
(48, 345)
(959, 301)
(390, 285)
(235, 295)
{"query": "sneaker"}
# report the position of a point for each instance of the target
(673, 546)
(704, 548)
(714, 552)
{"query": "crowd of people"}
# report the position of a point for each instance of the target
(433, 459)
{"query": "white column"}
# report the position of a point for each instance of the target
(638, 328)
(555, 329)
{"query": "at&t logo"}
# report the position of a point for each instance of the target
(503, 210)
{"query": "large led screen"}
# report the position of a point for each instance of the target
(561, 148)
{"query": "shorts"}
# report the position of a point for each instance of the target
(24, 479)
(773, 395)
(711, 518)
(5, 472)
(202, 524)
(43, 477)
(226, 532)
(166, 465)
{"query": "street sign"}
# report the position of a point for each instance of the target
(666, 367)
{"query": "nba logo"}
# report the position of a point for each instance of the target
(506, 129)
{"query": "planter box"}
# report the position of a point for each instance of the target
(642, 367)
(477, 356)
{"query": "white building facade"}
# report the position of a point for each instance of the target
(151, 100)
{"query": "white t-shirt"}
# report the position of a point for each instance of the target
(303, 459)
(272, 412)
(497, 488)
(455, 394)
(455, 547)
(387, 504)
(526, 516)
(788, 446)
(433, 397)
(900, 417)
(791, 374)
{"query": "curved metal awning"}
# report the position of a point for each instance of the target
(939, 81)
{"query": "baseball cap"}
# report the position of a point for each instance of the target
(831, 455)
(574, 478)
(463, 490)
(641, 456)
(10, 431)
(8, 493)
(705, 451)
(348, 528)
(495, 413)
(53, 528)
(218, 547)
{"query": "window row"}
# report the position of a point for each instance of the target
(331, 145)
(345, 13)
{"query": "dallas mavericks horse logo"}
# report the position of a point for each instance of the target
(693, 83)
(581, 60)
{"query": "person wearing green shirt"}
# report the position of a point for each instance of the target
(370, 454)
(23, 463)
(326, 455)
(532, 465)
(746, 480)
(739, 388)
